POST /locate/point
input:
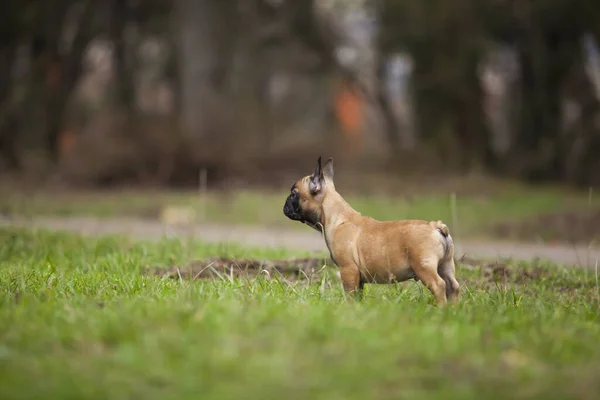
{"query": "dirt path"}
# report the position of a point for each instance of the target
(307, 240)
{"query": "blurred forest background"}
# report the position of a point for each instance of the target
(154, 91)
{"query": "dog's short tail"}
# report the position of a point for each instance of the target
(440, 226)
(445, 232)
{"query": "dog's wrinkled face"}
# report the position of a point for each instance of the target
(306, 196)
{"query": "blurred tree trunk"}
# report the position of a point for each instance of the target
(580, 128)
(449, 112)
(391, 122)
(540, 111)
(204, 39)
(120, 15)
(448, 94)
(548, 51)
(8, 126)
(61, 69)
(444, 40)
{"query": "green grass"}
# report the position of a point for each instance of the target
(79, 319)
(476, 212)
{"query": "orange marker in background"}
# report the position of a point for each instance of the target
(348, 111)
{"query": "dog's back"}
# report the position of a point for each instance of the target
(410, 238)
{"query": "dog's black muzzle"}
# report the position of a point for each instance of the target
(291, 208)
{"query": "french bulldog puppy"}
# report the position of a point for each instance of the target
(371, 251)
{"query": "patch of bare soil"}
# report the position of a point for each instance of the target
(305, 268)
(218, 268)
(492, 273)
(495, 276)
(501, 276)
(570, 227)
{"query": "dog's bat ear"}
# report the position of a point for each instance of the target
(319, 170)
(317, 179)
(328, 169)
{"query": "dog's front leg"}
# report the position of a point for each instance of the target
(353, 285)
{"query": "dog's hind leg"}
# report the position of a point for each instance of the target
(426, 270)
(447, 270)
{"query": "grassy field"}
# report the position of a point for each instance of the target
(80, 318)
(477, 211)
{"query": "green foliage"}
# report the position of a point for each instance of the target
(79, 319)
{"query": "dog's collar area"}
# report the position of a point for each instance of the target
(316, 227)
